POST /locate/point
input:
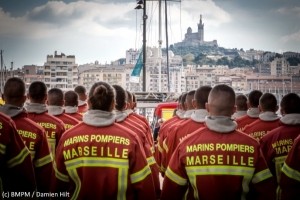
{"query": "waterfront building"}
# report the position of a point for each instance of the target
(60, 71)
(280, 67)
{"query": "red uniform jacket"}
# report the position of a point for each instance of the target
(75, 115)
(35, 139)
(69, 121)
(16, 172)
(180, 131)
(54, 127)
(100, 159)
(278, 142)
(266, 122)
(290, 179)
(147, 125)
(218, 165)
(124, 121)
(252, 115)
(82, 108)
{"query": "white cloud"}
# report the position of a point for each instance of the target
(293, 11)
(295, 37)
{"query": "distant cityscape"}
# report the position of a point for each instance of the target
(201, 63)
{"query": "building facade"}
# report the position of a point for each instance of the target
(61, 71)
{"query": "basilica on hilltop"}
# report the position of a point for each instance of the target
(196, 39)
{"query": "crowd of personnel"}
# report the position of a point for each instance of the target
(93, 145)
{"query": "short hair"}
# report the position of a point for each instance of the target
(55, 97)
(201, 96)
(254, 98)
(241, 102)
(222, 100)
(189, 99)
(129, 96)
(71, 98)
(268, 102)
(290, 103)
(102, 96)
(121, 97)
(182, 100)
(80, 89)
(37, 91)
(14, 89)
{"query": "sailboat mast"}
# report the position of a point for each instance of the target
(159, 46)
(167, 44)
(144, 45)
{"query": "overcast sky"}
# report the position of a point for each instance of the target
(104, 29)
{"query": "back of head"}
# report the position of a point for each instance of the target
(14, 91)
(129, 99)
(241, 102)
(71, 98)
(182, 101)
(290, 103)
(201, 96)
(221, 101)
(268, 102)
(55, 97)
(254, 98)
(102, 97)
(121, 97)
(189, 100)
(37, 92)
(81, 91)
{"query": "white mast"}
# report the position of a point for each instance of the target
(159, 46)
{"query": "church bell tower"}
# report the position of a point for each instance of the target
(201, 30)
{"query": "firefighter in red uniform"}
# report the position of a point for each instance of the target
(186, 127)
(241, 106)
(290, 179)
(252, 112)
(162, 134)
(139, 118)
(277, 143)
(267, 119)
(55, 101)
(100, 159)
(32, 134)
(216, 161)
(37, 112)
(71, 105)
(121, 118)
(16, 172)
(82, 94)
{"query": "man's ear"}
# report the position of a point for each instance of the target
(233, 109)
(24, 98)
(207, 107)
(194, 103)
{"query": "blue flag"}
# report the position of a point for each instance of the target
(135, 75)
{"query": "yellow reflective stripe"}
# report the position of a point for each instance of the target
(121, 164)
(52, 145)
(122, 183)
(19, 158)
(152, 149)
(60, 175)
(2, 148)
(290, 172)
(261, 176)
(246, 172)
(43, 161)
(151, 160)
(140, 175)
(97, 162)
(165, 146)
(278, 165)
(175, 178)
(159, 148)
(73, 174)
(162, 169)
(220, 170)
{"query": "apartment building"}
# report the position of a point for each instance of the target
(60, 71)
